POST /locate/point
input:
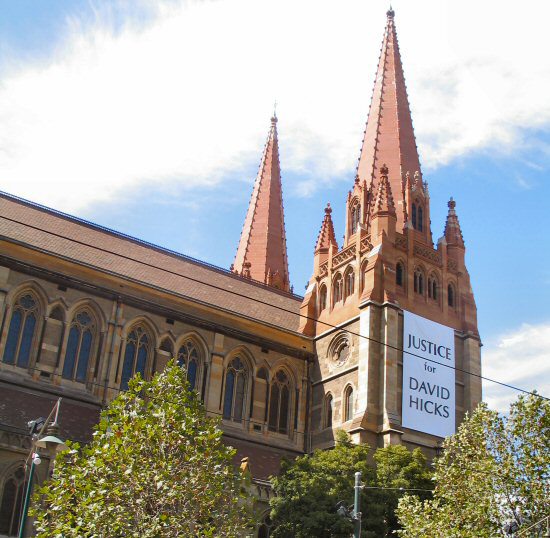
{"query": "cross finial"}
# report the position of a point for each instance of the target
(274, 117)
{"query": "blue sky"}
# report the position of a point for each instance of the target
(150, 118)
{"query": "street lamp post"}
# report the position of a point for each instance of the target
(353, 515)
(357, 507)
(34, 462)
(51, 443)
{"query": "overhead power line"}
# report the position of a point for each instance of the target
(265, 303)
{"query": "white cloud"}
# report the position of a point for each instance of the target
(520, 358)
(186, 96)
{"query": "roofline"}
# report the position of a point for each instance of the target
(147, 244)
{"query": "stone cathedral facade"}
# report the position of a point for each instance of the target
(83, 308)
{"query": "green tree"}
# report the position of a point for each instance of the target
(494, 469)
(156, 467)
(308, 489)
(399, 470)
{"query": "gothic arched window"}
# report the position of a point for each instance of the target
(354, 218)
(11, 502)
(322, 298)
(420, 219)
(363, 276)
(264, 530)
(432, 287)
(399, 274)
(279, 403)
(337, 289)
(188, 356)
(22, 330)
(235, 386)
(79, 346)
(451, 295)
(349, 283)
(327, 419)
(136, 353)
(413, 216)
(419, 282)
(348, 404)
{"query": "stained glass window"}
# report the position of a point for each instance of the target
(235, 386)
(79, 347)
(135, 356)
(279, 403)
(21, 332)
(188, 356)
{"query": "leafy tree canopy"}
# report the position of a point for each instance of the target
(156, 467)
(495, 469)
(309, 488)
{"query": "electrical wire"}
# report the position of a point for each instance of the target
(265, 303)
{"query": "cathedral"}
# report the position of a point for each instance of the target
(379, 346)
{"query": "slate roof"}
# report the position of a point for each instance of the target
(90, 245)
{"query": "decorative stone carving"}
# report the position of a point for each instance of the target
(401, 242)
(429, 254)
(366, 245)
(343, 257)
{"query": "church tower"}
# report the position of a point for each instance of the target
(388, 296)
(261, 254)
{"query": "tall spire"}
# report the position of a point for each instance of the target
(261, 254)
(327, 236)
(389, 136)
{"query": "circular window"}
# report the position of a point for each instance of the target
(339, 350)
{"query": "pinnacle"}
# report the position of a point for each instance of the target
(383, 202)
(326, 236)
(453, 233)
(261, 254)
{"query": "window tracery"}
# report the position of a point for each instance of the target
(11, 502)
(188, 356)
(82, 333)
(235, 386)
(22, 330)
(279, 403)
(136, 353)
(339, 349)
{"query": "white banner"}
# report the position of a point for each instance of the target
(428, 388)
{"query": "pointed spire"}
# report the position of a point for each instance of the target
(261, 254)
(453, 233)
(389, 136)
(383, 203)
(326, 236)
